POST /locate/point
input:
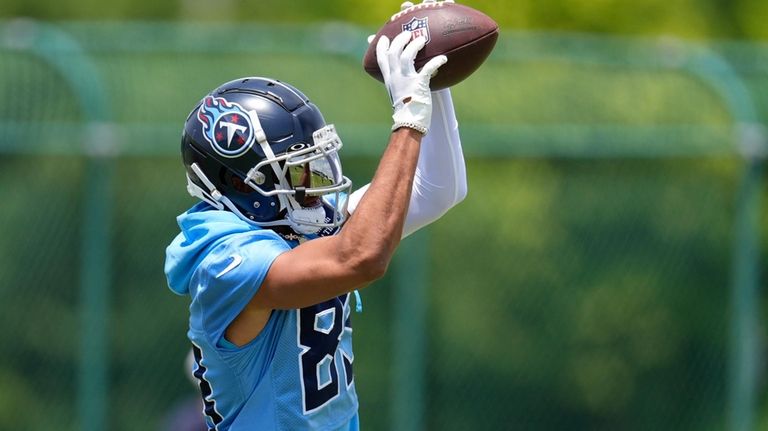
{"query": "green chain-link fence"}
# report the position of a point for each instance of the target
(601, 275)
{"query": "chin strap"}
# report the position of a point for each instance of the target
(212, 196)
(303, 219)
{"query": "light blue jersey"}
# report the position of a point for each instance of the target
(297, 374)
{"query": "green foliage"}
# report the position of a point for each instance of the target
(583, 296)
(684, 18)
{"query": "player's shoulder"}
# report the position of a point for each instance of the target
(220, 238)
(252, 251)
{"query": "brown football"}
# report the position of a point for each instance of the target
(465, 35)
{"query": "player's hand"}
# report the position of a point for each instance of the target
(408, 89)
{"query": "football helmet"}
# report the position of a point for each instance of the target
(259, 148)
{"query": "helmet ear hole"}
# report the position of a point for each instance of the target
(238, 184)
(234, 181)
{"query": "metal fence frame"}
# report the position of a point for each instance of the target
(57, 48)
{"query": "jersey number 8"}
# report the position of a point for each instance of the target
(320, 329)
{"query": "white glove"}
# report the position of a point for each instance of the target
(408, 89)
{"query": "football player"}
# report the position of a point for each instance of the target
(272, 254)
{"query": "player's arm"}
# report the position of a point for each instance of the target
(330, 266)
(327, 267)
(440, 182)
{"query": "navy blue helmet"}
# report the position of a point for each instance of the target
(259, 148)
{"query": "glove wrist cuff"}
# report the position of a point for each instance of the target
(407, 124)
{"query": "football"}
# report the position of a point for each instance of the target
(465, 35)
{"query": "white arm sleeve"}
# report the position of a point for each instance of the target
(441, 177)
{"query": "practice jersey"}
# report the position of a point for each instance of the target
(297, 373)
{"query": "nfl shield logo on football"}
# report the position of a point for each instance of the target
(418, 27)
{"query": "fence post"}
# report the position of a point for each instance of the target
(96, 279)
(409, 333)
(744, 355)
(65, 55)
(745, 319)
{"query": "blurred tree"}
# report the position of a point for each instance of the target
(682, 18)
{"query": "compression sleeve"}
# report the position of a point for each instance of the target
(441, 178)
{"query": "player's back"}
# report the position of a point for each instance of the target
(297, 373)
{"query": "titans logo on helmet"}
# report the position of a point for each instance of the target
(418, 27)
(226, 126)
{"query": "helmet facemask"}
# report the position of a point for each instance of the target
(309, 180)
(308, 183)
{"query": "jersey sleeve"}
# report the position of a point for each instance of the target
(228, 278)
